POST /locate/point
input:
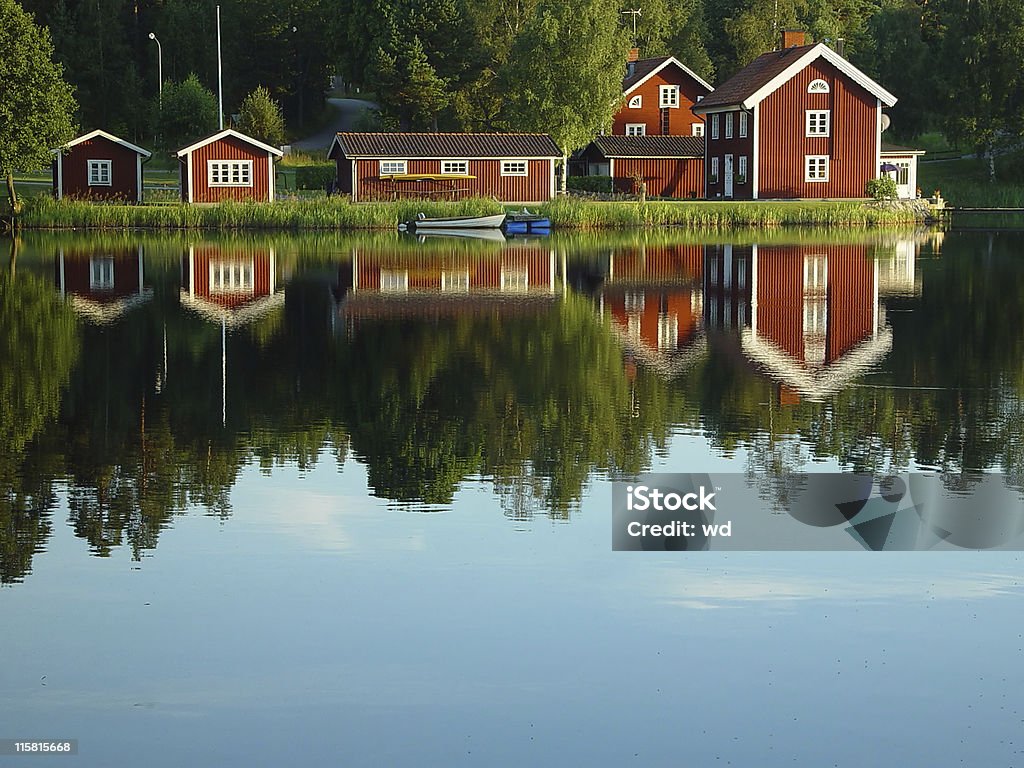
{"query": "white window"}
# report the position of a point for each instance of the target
(697, 129)
(816, 167)
(394, 280)
(636, 129)
(99, 173)
(452, 167)
(818, 86)
(668, 330)
(728, 125)
(815, 273)
(743, 124)
(902, 172)
(514, 167)
(714, 169)
(232, 276)
(456, 282)
(742, 173)
(514, 280)
(668, 95)
(633, 301)
(229, 173)
(101, 274)
(636, 102)
(714, 126)
(393, 167)
(817, 122)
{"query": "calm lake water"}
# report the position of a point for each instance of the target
(346, 500)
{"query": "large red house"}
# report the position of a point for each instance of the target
(512, 167)
(227, 165)
(800, 122)
(99, 165)
(657, 97)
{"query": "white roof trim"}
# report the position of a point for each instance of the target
(656, 70)
(109, 137)
(654, 157)
(902, 152)
(228, 132)
(820, 50)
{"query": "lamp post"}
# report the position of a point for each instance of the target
(159, 64)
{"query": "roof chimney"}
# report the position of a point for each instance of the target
(793, 37)
(840, 46)
(634, 54)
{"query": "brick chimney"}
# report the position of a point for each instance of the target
(793, 37)
(634, 55)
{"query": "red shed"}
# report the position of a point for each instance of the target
(512, 167)
(227, 166)
(800, 122)
(103, 286)
(657, 96)
(233, 284)
(670, 166)
(99, 165)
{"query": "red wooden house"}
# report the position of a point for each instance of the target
(99, 165)
(103, 287)
(230, 284)
(512, 167)
(669, 166)
(658, 95)
(800, 122)
(227, 165)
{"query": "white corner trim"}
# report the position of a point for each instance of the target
(60, 175)
(188, 176)
(756, 166)
(271, 172)
(138, 178)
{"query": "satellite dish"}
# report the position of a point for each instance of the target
(886, 120)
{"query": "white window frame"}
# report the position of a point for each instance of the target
(394, 281)
(636, 102)
(816, 168)
(744, 120)
(696, 129)
(668, 330)
(728, 125)
(507, 168)
(216, 170)
(668, 96)
(636, 129)
(455, 281)
(817, 123)
(455, 167)
(97, 168)
(101, 273)
(714, 126)
(515, 279)
(741, 169)
(818, 86)
(393, 167)
(227, 276)
(714, 169)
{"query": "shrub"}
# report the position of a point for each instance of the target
(314, 176)
(260, 117)
(882, 188)
(589, 183)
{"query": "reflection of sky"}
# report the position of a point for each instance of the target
(320, 626)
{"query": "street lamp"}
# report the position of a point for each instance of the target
(159, 64)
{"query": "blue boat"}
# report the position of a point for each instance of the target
(526, 223)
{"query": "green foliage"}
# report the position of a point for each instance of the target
(187, 112)
(314, 176)
(260, 117)
(565, 72)
(882, 188)
(36, 104)
(409, 86)
(589, 183)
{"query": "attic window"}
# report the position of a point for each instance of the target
(818, 86)
(636, 102)
(668, 95)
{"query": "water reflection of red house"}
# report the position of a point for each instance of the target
(815, 320)
(104, 285)
(379, 282)
(654, 297)
(233, 284)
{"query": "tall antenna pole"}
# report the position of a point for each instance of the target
(634, 13)
(220, 78)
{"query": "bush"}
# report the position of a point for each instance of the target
(260, 117)
(314, 176)
(589, 183)
(882, 188)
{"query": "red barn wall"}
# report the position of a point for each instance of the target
(851, 145)
(680, 118)
(230, 148)
(123, 170)
(665, 177)
(532, 188)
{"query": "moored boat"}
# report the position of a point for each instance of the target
(526, 223)
(422, 223)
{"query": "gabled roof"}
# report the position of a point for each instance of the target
(650, 146)
(644, 69)
(462, 146)
(109, 137)
(769, 71)
(223, 134)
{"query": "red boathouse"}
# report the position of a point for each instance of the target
(101, 166)
(227, 166)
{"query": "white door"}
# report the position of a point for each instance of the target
(728, 175)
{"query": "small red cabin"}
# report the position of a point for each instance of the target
(512, 167)
(657, 98)
(99, 165)
(102, 287)
(800, 122)
(227, 166)
(230, 284)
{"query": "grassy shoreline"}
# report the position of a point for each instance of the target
(337, 214)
